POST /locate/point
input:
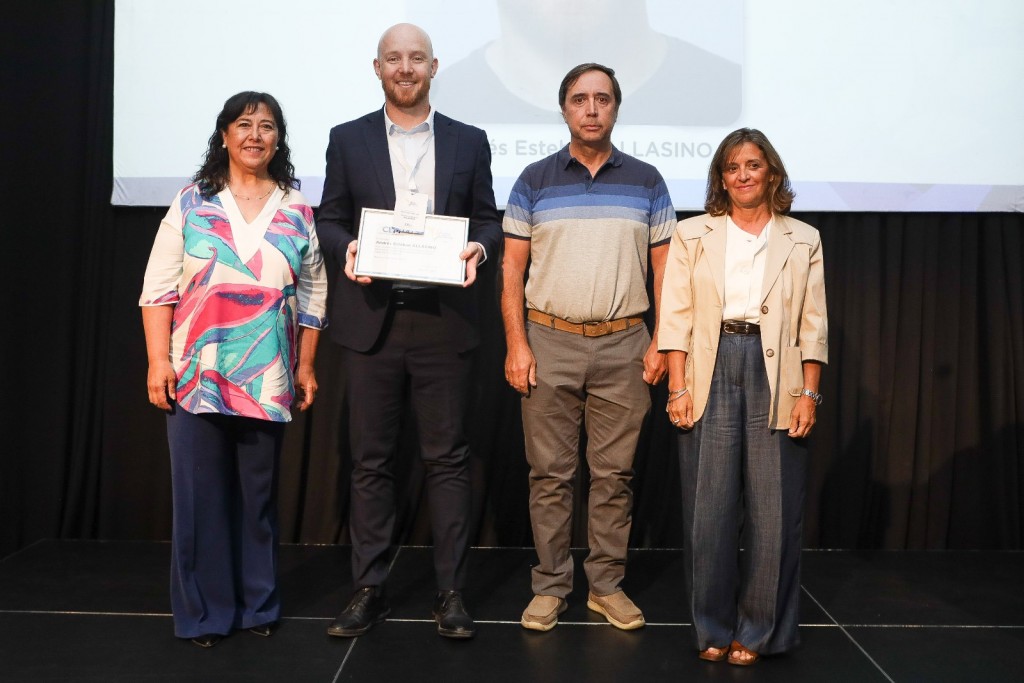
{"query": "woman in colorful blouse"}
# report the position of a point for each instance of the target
(232, 304)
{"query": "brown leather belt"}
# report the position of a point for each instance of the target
(586, 329)
(740, 327)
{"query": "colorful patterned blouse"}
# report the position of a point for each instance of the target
(238, 289)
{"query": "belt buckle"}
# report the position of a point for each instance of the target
(596, 329)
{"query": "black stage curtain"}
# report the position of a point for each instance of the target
(920, 441)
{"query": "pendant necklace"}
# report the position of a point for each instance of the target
(263, 196)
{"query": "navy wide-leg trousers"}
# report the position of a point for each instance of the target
(225, 531)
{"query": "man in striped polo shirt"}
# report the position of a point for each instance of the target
(590, 221)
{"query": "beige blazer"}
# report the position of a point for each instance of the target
(794, 323)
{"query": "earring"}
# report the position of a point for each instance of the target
(276, 148)
(223, 146)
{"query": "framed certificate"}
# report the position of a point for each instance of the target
(392, 252)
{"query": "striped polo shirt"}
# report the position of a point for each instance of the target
(589, 235)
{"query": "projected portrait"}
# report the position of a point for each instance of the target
(666, 80)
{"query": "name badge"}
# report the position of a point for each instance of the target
(411, 212)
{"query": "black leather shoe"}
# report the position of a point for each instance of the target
(367, 607)
(207, 639)
(450, 615)
(266, 630)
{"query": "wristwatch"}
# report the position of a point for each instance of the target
(815, 396)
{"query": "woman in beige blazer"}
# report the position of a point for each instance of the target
(744, 325)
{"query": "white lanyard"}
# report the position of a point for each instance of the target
(406, 151)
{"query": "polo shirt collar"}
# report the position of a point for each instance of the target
(565, 158)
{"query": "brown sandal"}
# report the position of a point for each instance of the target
(707, 654)
(736, 647)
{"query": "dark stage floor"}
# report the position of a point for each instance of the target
(98, 611)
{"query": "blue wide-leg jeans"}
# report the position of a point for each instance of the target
(743, 485)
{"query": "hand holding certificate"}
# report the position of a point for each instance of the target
(396, 249)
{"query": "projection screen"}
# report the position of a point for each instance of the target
(874, 105)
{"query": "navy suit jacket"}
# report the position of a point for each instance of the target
(359, 175)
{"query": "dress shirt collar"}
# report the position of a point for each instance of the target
(394, 129)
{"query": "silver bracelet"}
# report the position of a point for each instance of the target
(673, 395)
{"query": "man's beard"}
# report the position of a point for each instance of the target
(406, 97)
